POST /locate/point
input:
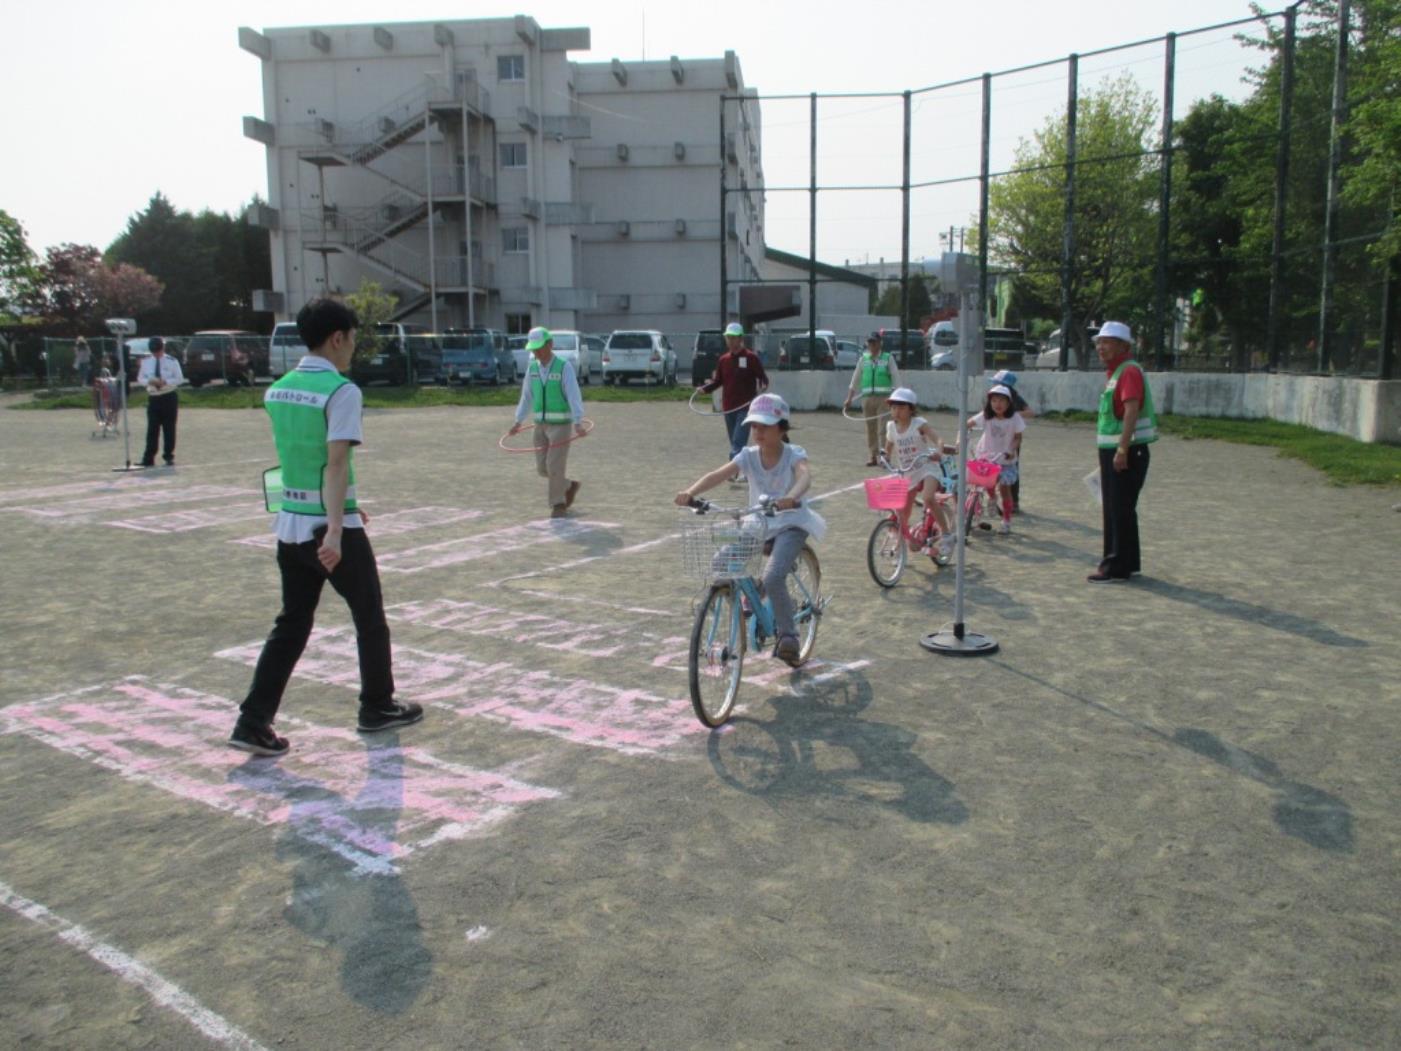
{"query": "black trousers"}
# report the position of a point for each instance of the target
(1120, 491)
(161, 411)
(356, 579)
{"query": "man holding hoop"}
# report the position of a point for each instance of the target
(875, 377)
(550, 396)
(740, 376)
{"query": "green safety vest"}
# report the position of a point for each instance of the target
(547, 392)
(875, 374)
(297, 405)
(1111, 427)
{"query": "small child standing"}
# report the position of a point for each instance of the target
(775, 469)
(1008, 379)
(906, 437)
(1001, 444)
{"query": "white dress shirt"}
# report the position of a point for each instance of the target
(343, 413)
(170, 373)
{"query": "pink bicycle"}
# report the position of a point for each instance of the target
(887, 550)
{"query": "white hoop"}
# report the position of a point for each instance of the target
(574, 436)
(691, 404)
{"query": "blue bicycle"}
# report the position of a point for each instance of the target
(735, 614)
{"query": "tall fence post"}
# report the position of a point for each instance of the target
(1067, 251)
(1286, 133)
(812, 225)
(905, 241)
(1165, 197)
(724, 230)
(1335, 158)
(983, 180)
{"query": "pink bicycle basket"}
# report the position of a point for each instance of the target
(886, 494)
(983, 473)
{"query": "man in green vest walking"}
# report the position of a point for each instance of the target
(550, 398)
(315, 413)
(875, 377)
(1127, 426)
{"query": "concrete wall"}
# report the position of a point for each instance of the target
(1368, 410)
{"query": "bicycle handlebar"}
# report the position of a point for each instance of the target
(919, 461)
(765, 507)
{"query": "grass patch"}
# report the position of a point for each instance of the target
(375, 397)
(1344, 460)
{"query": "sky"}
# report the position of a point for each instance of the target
(104, 103)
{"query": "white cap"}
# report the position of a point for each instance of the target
(1000, 389)
(1115, 330)
(905, 395)
(767, 408)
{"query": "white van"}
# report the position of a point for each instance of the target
(285, 348)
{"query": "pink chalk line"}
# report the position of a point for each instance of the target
(164, 992)
(49, 492)
(603, 640)
(137, 498)
(187, 521)
(371, 807)
(628, 721)
(391, 523)
(487, 545)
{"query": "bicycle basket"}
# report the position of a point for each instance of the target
(886, 494)
(720, 548)
(983, 473)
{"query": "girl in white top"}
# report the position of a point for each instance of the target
(1000, 443)
(906, 437)
(773, 468)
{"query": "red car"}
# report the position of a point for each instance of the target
(226, 354)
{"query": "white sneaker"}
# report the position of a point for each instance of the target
(1004, 528)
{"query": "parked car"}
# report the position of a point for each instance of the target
(942, 336)
(639, 354)
(285, 348)
(521, 356)
(907, 345)
(1050, 358)
(1004, 348)
(470, 358)
(848, 353)
(944, 360)
(808, 352)
(493, 339)
(705, 352)
(594, 345)
(569, 345)
(406, 352)
(235, 357)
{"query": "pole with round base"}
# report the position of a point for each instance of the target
(955, 639)
(121, 328)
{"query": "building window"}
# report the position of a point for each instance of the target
(512, 155)
(510, 67)
(515, 239)
(517, 324)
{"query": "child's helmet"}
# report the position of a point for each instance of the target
(1006, 377)
(903, 396)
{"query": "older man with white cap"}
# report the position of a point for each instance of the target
(550, 397)
(1127, 426)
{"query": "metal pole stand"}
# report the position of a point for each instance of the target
(121, 328)
(954, 639)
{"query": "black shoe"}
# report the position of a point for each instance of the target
(258, 740)
(146, 463)
(170, 461)
(396, 714)
(1101, 577)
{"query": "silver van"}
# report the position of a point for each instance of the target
(285, 348)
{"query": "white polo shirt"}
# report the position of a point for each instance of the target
(343, 412)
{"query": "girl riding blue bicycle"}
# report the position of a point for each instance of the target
(776, 469)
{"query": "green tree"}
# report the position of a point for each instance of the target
(1115, 209)
(19, 272)
(920, 303)
(374, 306)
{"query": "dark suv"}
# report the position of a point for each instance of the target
(476, 357)
(709, 345)
(913, 354)
(223, 354)
(804, 352)
(405, 353)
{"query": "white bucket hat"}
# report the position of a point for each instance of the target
(903, 394)
(1115, 330)
(768, 409)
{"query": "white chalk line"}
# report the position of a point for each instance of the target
(129, 969)
(632, 549)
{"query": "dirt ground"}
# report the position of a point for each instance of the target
(1164, 815)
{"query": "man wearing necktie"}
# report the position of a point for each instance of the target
(162, 376)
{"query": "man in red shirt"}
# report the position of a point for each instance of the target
(740, 376)
(1127, 425)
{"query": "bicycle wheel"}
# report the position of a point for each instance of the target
(805, 585)
(885, 553)
(716, 655)
(970, 515)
